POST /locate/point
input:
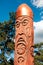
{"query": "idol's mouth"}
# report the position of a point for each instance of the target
(21, 40)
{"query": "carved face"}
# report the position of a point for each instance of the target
(23, 35)
(23, 28)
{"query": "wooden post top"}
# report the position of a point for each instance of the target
(24, 9)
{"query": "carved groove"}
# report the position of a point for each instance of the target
(20, 59)
(32, 51)
(21, 48)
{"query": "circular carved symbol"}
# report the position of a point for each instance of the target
(21, 48)
(20, 59)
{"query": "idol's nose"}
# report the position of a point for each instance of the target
(21, 30)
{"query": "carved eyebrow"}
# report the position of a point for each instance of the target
(25, 19)
(17, 21)
(22, 18)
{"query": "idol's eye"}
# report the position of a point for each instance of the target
(25, 22)
(17, 24)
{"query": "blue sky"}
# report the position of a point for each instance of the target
(7, 6)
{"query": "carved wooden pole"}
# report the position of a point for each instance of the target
(24, 36)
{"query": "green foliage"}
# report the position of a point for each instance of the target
(39, 58)
(12, 15)
(4, 31)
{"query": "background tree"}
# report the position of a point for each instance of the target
(7, 32)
